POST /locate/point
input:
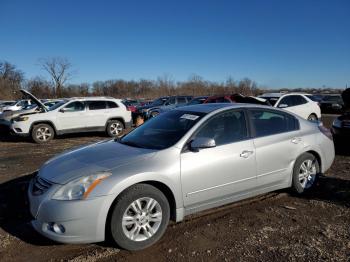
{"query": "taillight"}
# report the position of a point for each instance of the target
(324, 130)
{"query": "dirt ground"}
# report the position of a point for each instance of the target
(277, 226)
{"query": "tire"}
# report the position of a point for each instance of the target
(312, 117)
(115, 128)
(42, 133)
(149, 232)
(305, 173)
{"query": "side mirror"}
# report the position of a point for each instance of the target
(62, 110)
(282, 105)
(201, 143)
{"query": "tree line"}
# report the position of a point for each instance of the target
(60, 72)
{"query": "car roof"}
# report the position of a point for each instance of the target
(208, 108)
(93, 98)
(282, 94)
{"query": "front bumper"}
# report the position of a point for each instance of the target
(20, 128)
(83, 221)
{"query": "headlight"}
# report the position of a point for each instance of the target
(337, 123)
(80, 188)
(21, 118)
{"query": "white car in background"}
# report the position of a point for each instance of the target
(297, 103)
(14, 106)
(72, 115)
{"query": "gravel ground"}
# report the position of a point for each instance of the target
(275, 226)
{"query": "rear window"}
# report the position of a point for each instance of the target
(96, 105)
(267, 122)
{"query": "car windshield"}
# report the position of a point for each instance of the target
(162, 131)
(57, 105)
(313, 98)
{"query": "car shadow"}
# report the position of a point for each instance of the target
(15, 216)
(342, 146)
(14, 212)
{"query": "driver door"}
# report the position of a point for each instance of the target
(72, 116)
(221, 172)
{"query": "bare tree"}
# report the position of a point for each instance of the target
(60, 70)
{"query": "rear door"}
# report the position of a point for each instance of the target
(97, 113)
(277, 144)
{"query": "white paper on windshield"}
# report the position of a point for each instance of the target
(189, 116)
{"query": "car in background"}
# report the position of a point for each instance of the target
(73, 115)
(184, 161)
(197, 100)
(17, 105)
(6, 103)
(236, 98)
(296, 103)
(332, 104)
(171, 103)
(131, 104)
(7, 116)
(341, 127)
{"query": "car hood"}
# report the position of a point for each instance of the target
(91, 159)
(36, 100)
(8, 115)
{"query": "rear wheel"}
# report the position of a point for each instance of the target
(312, 117)
(139, 217)
(42, 133)
(305, 173)
(115, 128)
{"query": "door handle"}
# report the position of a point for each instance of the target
(296, 140)
(246, 153)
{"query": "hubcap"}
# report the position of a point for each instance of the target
(142, 219)
(312, 118)
(116, 128)
(307, 173)
(43, 134)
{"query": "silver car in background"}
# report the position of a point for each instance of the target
(183, 161)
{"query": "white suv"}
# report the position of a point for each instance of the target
(73, 115)
(297, 103)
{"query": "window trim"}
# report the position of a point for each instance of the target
(252, 126)
(185, 147)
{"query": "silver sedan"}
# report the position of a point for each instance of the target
(183, 161)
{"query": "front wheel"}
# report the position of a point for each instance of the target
(139, 217)
(305, 173)
(42, 133)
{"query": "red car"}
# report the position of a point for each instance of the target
(236, 98)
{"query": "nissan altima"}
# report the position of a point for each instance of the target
(183, 161)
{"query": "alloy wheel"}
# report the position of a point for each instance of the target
(142, 219)
(43, 134)
(116, 128)
(307, 173)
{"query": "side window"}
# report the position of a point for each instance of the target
(227, 127)
(111, 104)
(171, 101)
(268, 122)
(299, 100)
(74, 106)
(181, 100)
(287, 100)
(96, 105)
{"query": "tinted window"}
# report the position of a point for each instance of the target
(111, 104)
(162, 131)
(181, 100)
(268, 122)
(299, 100)
(75, 106)
(287, 100)
(96, 105)
(227, 127)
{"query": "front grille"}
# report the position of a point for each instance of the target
(40, 186)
